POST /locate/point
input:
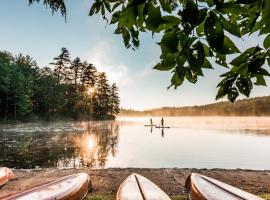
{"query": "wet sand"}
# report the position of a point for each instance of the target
(171, 180)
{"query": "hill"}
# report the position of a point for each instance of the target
(258, 106)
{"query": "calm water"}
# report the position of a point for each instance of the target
(190, 142)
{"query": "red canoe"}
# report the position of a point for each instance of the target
(73, 187)
(204, 188)
(5, 175)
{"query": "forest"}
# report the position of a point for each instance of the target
(67, 89)
(258, 106)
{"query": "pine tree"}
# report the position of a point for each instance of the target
(89, 75)
(102, 97)
(61, 66)
(114, 100)
(75, 71)
(5, 70)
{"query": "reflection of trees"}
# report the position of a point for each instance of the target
(89, 148)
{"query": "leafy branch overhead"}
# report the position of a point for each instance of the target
(195, 32)
(196, 35)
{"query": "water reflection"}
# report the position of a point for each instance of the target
(196, 142)
(89, 147)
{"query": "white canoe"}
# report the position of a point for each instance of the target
(137, 187)
(205, 188)
(5, 175)
(72, 187)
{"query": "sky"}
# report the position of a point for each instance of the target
(33, 30)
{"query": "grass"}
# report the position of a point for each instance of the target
(112, 197)
(265, 196)
(100, 197)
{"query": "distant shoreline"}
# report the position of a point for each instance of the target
(171, 180)
(258, 106)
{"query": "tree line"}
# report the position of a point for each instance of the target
(258, 106)
(68, 89)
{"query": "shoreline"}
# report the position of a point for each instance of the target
(171, 180)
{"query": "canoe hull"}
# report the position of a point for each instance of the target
(137, 187)
(73, 187)
(5, 175)
(205, 188)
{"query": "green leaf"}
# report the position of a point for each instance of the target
(116, 5)
(214, 31)
(126, 38)
(137, 2)
(181, 61)
(115, 17)
(102, 10)
(200, 30)
(246, 1)
(154, 18)
(166, 5)
(206, 64)
(162, 67)
(108, 7)
(169, 61)
(221, 92)
(229, 47)
(128, 17)
(190, 13)
(196, 60)
(168, 23)
(260, 80)
(181, 72)
(92, 9)
(262, 71)
(201, 16)
(233, 94)
(266, 42)
(242, 58)
(231, 26)
(169, 42)
(266, 12)
(191, 76)
(176, 81)
(244, 85)
(221, 60)
(233, 8)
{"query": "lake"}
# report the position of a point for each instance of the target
(190, 142)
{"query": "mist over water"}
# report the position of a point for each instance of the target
(190, 142)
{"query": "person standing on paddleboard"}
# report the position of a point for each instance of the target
(151, 122)
(162, 122)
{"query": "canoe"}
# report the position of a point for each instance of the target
(204, 188)
(72, 187)
(137, 187)
(162, 127)
(5, 175)
(149, 125)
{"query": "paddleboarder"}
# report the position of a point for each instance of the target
(151, 121)
(162, 122)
